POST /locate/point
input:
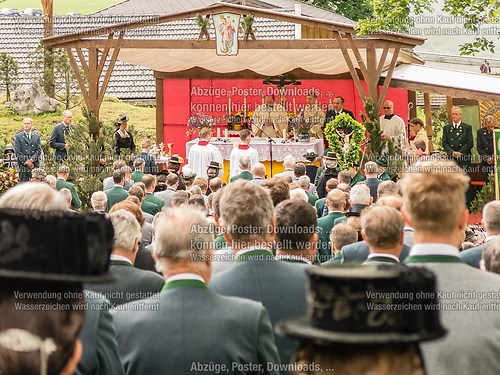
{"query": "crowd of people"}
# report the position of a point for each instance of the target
(313, 270)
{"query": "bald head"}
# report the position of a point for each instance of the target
(335, 200)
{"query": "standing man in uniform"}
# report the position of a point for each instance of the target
(28, 148)
(485, 147)
(58, 136)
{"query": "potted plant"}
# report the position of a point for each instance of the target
(302, 129)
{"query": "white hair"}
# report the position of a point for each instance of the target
(289, 161)
(127, 230)
(304, 182)
(245, 162)
(51, 180)
(299, 194)
(360, 194)
(66, 194)
(99, 201)
(33, 196)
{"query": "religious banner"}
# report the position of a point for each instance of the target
(496, 146)
(226, 33)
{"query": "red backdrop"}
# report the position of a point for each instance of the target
(185, 97)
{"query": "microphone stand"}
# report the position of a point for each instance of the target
(270, 140)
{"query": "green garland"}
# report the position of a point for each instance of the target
(345, 121)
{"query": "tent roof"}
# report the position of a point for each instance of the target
(454, 83)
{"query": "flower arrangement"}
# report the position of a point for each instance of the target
(348, 148)
(301, 126)
(8, 178)
(197, 122)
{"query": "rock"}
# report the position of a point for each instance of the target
(32, 99)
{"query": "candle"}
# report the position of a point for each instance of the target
(284, 134)
(218, 132)
(244, 107)
(225, 133)
(229, 106)
(294, 138)
(294, 106)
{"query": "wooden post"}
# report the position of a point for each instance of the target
(412, 99)
(449, 105)
(159, 111)
(428, 120)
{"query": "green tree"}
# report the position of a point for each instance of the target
(66, 87)
(354, 10)
(8, 73)
(396, 15)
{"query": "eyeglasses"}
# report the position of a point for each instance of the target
(387, 107)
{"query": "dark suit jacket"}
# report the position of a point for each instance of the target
(100, 349)
(280, 286)
(75, 201)
(115, 194)
(57, 142)
(325, 225)
(130, 283)
(473, 256)
(27, 149)
(330, 115)
(358, 252)
(188, 326)
(373, 183)
(458, 140)
(149, 163)
(484, 144)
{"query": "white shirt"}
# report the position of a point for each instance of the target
(423, 249)
(200, 157)
(236, 154)
(185, 276)
(384, 255)
(120, 258)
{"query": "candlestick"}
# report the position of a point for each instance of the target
(284, 134)
(229, 106)
(244, 107)
(225, 133)
(294, 137)
(294, 106)
(218, 132)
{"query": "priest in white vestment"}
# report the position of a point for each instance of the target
(243, 149)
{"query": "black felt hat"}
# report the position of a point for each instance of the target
(176, 159)
(55, 246)
(122, 118)
(215, 164)
(383, 304)
(330, 155)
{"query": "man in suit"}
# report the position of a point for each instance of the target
(131, 283)
(138, 170)
(28, 148)
(434, 203)
(372, 181)
(245, 164)
(336, 109)
(187, 317)
(62, 182)
(116, 193)
(172, 185)
(149, 160)
(305, 184)
(457, 139)
(296, 237)
(257, 275)
(335, 200)
(491, 224)
(288, 163)
(320, 204)
(485, 146)
(382, 230)
(342, 234)
(149, 182)
(58, 136)
(258, 173)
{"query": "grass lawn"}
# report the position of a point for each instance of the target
(61, 7)
(142, 120)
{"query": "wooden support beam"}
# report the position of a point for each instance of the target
(357, 54)
(371, 78)
(111, 66)
(388, 77)
(428, 120)
(105, 53)
(93, 80)
(449, 105)
(159, 111)
(79, 78)
(350, 65)
(412, 104)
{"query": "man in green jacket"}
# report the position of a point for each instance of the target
(62, 182)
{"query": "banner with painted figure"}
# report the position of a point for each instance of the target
(226, 33)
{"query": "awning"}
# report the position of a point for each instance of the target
(453, 83)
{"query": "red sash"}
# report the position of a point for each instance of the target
(243, 146)
(202, 142)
